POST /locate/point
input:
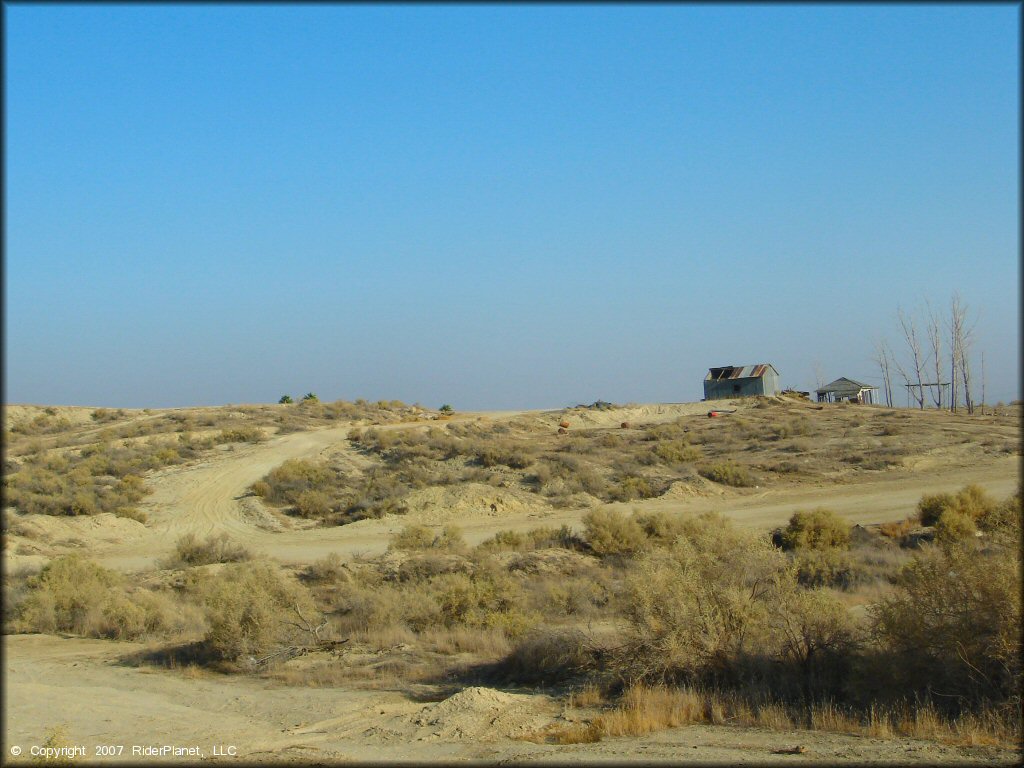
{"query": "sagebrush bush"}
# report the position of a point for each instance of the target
(330, 568)
(677, 452)
(971, 501)
(247, 434)
(715, 600)
(251, 609)
(312, 503)
(190, 550)
(609, 532)
(953, 624)
(73, 594)
(818, 529)
(660, 527)
(418, 537)
(728, 473)
(931, 507)
(629, 487)
(954, 527)
(826, 567)
(548, 656)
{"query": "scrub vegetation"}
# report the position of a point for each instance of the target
(663, 619)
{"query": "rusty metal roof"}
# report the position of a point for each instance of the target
(739, 372)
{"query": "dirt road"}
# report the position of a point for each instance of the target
(210, 497)
(48, 678)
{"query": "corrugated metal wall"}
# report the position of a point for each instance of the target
(726, 388)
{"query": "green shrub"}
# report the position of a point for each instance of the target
(677, 452)
(931, 507)
(818, 529)
(727, 473)
(295, 476)
(953, 526)
(700, 606)
(310, 397)
(629, 487)
(412, 537)
(315, 504)
(510, 455)
(251, 609)
(446, 408)
(971, 500)
(660, 527)
(953, 624)
(285, 399)
(503, 540)
(826, 567)
(609, 532)
(73, 594)
(241, 435)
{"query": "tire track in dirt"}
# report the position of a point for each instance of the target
(207, 498)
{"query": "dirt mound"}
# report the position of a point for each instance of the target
(691, 488)
(445, 504)
(253, 512)
(15, 415)
(589, 418)
(399, 565)
(81, 531)
(484, 714)
(547, 561)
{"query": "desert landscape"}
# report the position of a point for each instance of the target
(785, 582)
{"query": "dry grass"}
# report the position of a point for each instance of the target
(590, 695)
(565, 733)
(484, 643)
(647, 709)
(897, 530)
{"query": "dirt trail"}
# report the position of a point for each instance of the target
(209, 497)
(48, 678)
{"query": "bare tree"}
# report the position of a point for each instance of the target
(983, 382)
(883, 357)
(909, 327)
(935, 343)
(961, 338)
(819, 377)
(312, 628)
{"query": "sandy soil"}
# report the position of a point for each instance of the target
(210, 497)
(47, 679)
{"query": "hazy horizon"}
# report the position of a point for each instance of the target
(499, 207)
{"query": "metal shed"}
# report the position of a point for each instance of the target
(846, 389)
(741, 381)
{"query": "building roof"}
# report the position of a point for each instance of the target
(739, 372)
(843, 384)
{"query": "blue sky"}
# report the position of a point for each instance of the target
(498, 206)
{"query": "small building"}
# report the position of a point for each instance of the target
(741, 381)
(846, 389)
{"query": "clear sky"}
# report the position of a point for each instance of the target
(497, 206)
